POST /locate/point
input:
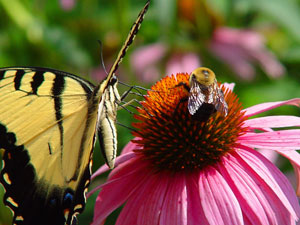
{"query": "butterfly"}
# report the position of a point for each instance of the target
(48, 125)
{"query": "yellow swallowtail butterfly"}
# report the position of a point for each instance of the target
(48, 121)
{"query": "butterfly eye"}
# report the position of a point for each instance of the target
(113, 80)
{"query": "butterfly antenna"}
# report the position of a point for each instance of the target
(101, 57)
(133, 31)
(135, 86)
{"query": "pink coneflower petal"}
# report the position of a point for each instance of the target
(277, 140)
(147, 55)
(276, 181)
(273, 121)
(229, 86)
(111, 196)
(269, 63)
(131, 145)
(175, 204)
(67, 4)
(143, 61)
(214, 195)
(233, 56)
(256, 109)
(259, 202)
(146, 203)
(182, 62)
(294, 158)
(241, 48)
(195, 213)
(124, 157)
(251, 198)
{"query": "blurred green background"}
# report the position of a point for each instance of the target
(253, 43)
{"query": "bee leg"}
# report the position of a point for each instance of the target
(180, 102)
(182, 84)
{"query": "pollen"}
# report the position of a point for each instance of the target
(172, 139)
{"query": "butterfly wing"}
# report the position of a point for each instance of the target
(47, 127)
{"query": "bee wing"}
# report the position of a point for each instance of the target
(219, 100)
(196, 98)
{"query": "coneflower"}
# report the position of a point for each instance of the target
(181, 171)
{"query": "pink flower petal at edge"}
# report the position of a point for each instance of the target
(273, 121)
(119, 160)
(240, 48)
(111, 197)
(67, 4)
(229, 86)
(185, 62)
(217, 199)
(278, 183)
(175, 202)
(294, 158)
(235, 57)
(276, 140)
(130, 146)
(147, 55)
(256, 109)
(144, 207)
(251, 198)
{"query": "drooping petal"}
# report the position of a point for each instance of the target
(297, 173)
(273, 122)
(130, 177)
(174, 210)
(251, 199)
(274, 178)
(276, 140)
(219, 203)
(269, 154)
(256, 109)
(294, 158)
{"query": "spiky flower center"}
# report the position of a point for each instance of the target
(171, 139)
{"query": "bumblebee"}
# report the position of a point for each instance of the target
(205, 95)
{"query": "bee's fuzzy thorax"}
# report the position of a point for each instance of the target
(170, 137)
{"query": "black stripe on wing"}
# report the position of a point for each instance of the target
(86, 85)
(57, 89)
(37, 80)
(18, 78)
